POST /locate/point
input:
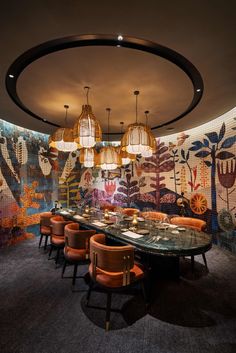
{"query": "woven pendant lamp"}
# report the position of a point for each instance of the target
(126, 158)
(109, 158)
(152, 149)
(87, 130)
(62, 139)
(88, 157)
(136, 139)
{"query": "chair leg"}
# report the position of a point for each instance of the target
(89, 293)
(108, 311)
(74, 274)
(204, 259)
(64, 268)
(192, 263)
(144, 293)
(50, 252)
(57, 256)
(46, 242)
(40, 240)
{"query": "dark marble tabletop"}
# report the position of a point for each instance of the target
(161, 238)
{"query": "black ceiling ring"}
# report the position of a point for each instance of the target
(55, 45)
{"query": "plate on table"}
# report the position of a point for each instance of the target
(142, 231)
(108, 222)
(128, 218)
(140, 219)
(161, 227)
(181, 229)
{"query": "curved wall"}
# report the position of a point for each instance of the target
(199, 162)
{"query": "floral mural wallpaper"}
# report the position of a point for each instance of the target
(197, 166)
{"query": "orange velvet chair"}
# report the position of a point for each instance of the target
(76, 250)
(193, 223)
(108, 207)
(57, 236)
(112, 268)
(130, 211)
(154, 216)
(45, 227)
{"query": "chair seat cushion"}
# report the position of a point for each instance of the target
(75, 255)
(45, 230)
(57, 240)
(115, 279)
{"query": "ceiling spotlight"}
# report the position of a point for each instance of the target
(198, 90)
(44, 119)
(11, 76)
(118, 46)
(120, 37)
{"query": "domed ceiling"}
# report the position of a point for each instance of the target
(203, 34)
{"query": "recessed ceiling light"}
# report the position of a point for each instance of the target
(198, 90)
(118, 46)
(44, 119)
(170, 128)
(120, 37)
(11, 76)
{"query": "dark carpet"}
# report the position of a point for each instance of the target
(40, 314)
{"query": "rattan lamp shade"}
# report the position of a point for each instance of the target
(87, 130)
(137, 139)
(109, 158)
(63, 140)
(152, 149)
(88, 157)
(126, 157)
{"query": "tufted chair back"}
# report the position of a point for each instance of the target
(155, 216)
(193, 223)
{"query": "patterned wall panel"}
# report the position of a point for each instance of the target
(192, 173)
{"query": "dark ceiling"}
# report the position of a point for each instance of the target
(203, 32)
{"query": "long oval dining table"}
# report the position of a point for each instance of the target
(160, 239)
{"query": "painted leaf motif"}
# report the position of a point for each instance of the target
(154, 186)
(187, 156)
(183, 153)
(134, 190)
(213, 137)
(229, 142)
(71, 178)
(222, 132)
(208, 163)
(123, 183)
(162, 150)
(224, 155)
(196, 146)
(123, 190)
(133, 183)
(162, 186)
(206, 142)
(202, 154)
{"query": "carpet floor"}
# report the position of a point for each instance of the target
(40, 314)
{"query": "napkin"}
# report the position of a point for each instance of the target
(132, 235)
(175, 232)
(78, 217)
(173, 226)
(99, 224)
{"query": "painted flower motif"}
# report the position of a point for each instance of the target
(110, 187)
(227, 178)
(198, 203)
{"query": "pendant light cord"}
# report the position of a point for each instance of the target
(136, 93)
(108, 123)
(87, 93)
(146, 114)
(66, 108)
